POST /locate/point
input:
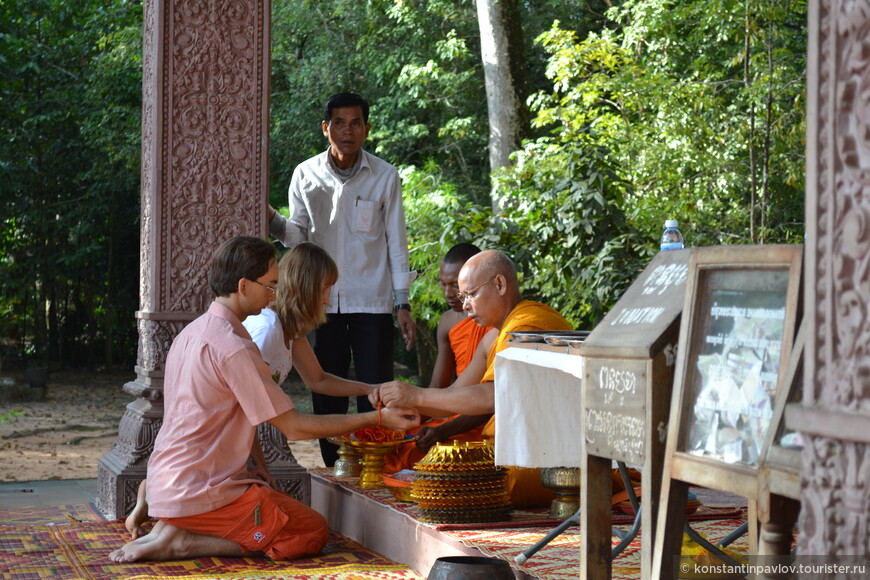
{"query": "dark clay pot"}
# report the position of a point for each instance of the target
(470, 568)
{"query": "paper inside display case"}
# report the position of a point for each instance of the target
(737, 368)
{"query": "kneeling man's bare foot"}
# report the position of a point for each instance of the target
(167, 542)
(133, 551)
(139, 515)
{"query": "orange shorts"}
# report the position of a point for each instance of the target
(262, 520)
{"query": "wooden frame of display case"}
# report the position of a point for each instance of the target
(736, 338)
(779, 474)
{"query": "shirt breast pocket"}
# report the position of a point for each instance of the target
(365, 215)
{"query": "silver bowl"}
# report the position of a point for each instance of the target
(565, 483)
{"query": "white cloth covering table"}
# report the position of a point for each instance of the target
(538, 407)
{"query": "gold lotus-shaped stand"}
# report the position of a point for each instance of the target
(465, 457)
(460, 483)
(372, 462)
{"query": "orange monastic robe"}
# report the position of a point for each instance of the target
(524, 484)
(464, 338)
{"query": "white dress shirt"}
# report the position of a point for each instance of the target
(360, 223)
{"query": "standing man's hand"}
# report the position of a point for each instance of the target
(407, 326)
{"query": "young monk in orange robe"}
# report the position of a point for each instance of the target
(491, 296)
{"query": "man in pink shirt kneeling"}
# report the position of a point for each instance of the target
(217, 390)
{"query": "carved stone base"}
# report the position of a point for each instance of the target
(122, 469)
(117, 486)
(292, 478)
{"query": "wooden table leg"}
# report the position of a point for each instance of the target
(596, 514)
(777, 526)
(669, 529)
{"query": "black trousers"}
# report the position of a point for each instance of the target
(368, 338)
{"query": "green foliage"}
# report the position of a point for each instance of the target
(563, 225)
(432, 211)
(691, 110)
(69, 175)
(701, 106)
(10, 415)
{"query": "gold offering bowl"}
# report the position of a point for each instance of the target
(372, 461)
(565, 483)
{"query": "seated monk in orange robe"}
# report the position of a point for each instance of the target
(491, 297)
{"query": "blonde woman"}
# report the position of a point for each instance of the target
(305, 275)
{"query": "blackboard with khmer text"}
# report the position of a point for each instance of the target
(617, 356)
(615, 413)
(637, 324)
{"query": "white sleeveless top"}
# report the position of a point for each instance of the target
(265, 330)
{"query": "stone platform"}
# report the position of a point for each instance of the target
(375, 520)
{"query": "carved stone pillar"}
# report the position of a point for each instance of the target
(292, 478)
(835, 415)
(205, 127)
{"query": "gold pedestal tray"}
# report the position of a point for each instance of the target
(461, 484)
(372, 461)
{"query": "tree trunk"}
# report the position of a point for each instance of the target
(501, 47)
(427, 351)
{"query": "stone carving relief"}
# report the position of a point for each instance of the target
(851, 232)
(136, 436)
(835, 496)
(214, 159)
(275, 444)
(155, 338)
(149, 98)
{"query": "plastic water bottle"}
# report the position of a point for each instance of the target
(672, 239)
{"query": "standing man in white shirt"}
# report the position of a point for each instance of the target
(349, 202)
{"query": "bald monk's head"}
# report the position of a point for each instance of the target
(489, 288)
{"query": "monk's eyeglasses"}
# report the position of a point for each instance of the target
(470, 294)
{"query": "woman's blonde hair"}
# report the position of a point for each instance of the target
(302, 273)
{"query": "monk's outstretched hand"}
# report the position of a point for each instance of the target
(427, 437)
(399, 394)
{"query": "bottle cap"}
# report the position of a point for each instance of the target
(671, 223)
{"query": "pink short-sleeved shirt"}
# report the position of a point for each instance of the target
(217, 389)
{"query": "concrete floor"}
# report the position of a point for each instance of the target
(47, 493)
